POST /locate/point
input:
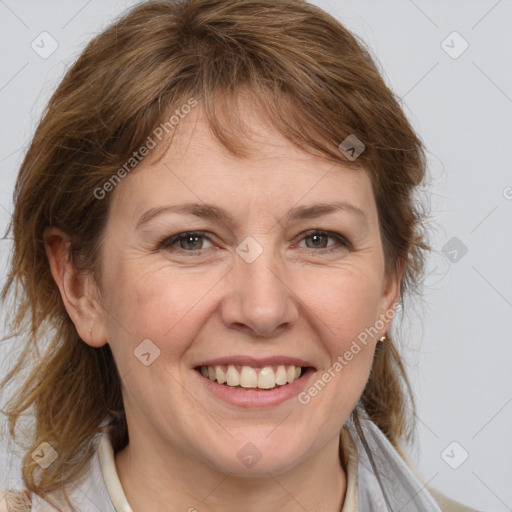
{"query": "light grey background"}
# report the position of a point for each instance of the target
(459, 342)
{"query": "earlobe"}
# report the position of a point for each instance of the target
(77, 289)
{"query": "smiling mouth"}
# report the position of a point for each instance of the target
(248, 377)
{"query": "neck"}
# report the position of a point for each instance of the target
(154, 481)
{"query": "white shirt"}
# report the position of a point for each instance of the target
(99, 488)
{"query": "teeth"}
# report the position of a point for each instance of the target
(248, 377)
(232, 376)
(219, 375)
(267, 378)
(281, 375)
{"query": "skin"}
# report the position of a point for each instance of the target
(295, 299)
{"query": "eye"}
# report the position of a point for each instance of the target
(188, 242)
(193, 242)
(320, 240)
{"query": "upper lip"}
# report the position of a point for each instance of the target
(256, 361)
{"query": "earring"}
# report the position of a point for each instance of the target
(383, 339)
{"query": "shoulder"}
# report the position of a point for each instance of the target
(83, 493)
(448, 505)
(15, 501)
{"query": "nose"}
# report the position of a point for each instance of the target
(259, 301)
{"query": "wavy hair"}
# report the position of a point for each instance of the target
(314, 81)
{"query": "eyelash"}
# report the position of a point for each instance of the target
(168, 242)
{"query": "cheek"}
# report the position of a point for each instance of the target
(347, 304)
(152, 321)
(143, 301)
(344, 313)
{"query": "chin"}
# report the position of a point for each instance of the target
(256, 455)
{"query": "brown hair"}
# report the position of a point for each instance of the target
(312, 79)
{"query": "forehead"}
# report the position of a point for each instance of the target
(197, 167)
(247, 125)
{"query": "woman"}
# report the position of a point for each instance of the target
(214, 229)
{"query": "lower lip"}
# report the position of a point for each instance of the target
(252, 397)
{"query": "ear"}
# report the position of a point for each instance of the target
(390, 295)
(79, 292)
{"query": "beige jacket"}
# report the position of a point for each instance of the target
(100, 488)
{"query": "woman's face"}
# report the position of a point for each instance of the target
(284, 269)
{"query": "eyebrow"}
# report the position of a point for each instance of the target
(208, 211)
